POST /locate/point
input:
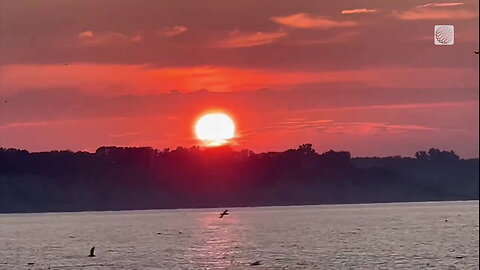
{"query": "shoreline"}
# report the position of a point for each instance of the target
(430, 202)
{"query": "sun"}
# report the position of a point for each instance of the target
(215, 129)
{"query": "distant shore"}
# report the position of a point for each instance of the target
(259, 206)
(119, 178)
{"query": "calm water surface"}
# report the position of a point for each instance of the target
(381, 236)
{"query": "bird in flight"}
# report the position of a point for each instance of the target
(92, 252)
(224, 213)
(475, 52)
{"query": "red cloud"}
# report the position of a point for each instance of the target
(243, 40)
(90, 39)
(173, 31)
(302, 20)
(436, 11)
(358, 11)
(440, 5)
(85, 35)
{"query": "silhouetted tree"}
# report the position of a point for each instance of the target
(437, 155)
(115, 178)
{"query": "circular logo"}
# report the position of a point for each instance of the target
(444, 35)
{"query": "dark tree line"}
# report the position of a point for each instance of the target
(117, 178)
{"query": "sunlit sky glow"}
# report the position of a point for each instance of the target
(362, 76)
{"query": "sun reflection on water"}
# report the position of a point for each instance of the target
(219, 243)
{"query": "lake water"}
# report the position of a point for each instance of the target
(440, 235)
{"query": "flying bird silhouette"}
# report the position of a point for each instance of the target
(255, 263)
(224, 213)
(92, 252)
(475, 52)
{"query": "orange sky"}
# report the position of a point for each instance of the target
(339, 74)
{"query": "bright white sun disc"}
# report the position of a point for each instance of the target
(215, 128)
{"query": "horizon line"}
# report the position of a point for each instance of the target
(229, 147)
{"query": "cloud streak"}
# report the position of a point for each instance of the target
(436, 11)
(123, 134)
(338, 38)
(91, 39)
(440, 5)
(371, 128)
(424, 14)
(172, 31)
(236, 39)
(303, 20)
(358, 11)
(143, 79)
(323, 126)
